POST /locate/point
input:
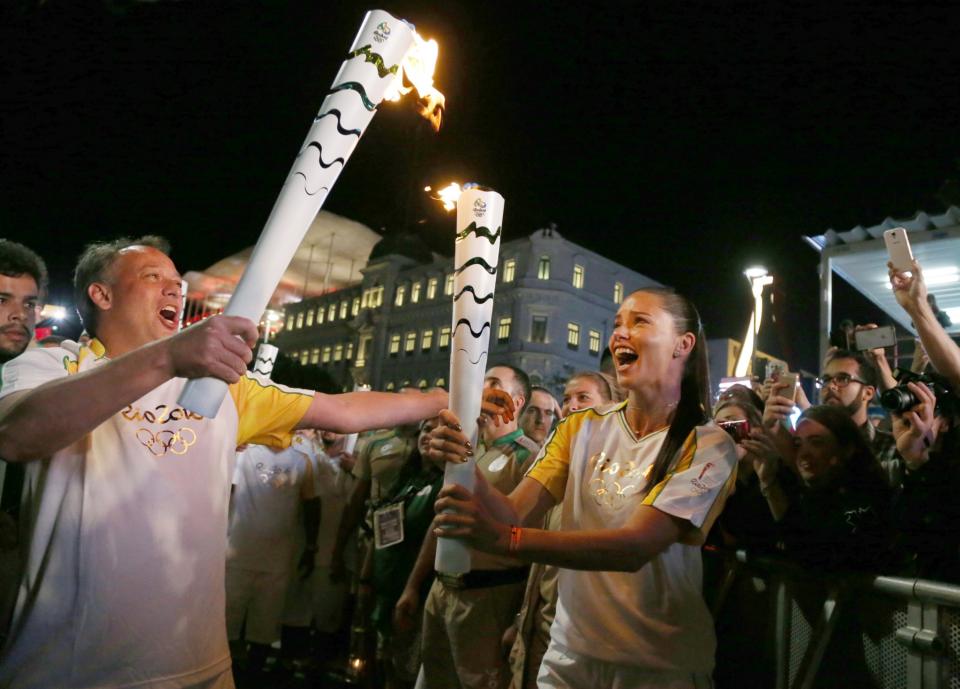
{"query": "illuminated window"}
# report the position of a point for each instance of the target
(617, 292)
(443, 342)
(325, 357)
(320, 314)
(331, 312)
(432, 288)
(390, 386)
(300, 319)
(594, 342)
(503, 329)
(538, 329)
(338, 352)
(376, 297)
(355, 306)
(348, 355)
(573, 335)
(410, 343)
(394, 344)
(543, 268)
(400, 295)
(426, 340)
(578, 276)
(365, 299)
(290, 322)
(422, 384)
(440, 383)
(310, 317)
(315, 356)
(509, 269)
(344, 305)
(448, 285)
(415, 292)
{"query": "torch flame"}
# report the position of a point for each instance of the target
(447, 196)
(417, 67)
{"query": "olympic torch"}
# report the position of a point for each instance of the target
(479, 220)
(383, 48)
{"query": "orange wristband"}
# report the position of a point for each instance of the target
(515, 533)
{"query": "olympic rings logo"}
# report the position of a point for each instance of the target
(162, 442)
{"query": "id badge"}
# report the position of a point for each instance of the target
(388, 526)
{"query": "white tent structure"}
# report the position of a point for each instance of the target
(859, 256)
(332, 253)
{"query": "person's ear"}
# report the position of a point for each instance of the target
(685, 344)
(101, 295)
(869, 392)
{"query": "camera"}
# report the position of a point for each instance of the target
(900, 399)
(738, 430)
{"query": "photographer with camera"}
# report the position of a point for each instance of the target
(926, 512)
(911, 292)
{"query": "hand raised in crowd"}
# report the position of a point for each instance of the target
(920, 359)
(497, 406)
(916, 429)
(219, 347)
(908, 287)
(777, 408)
(763, 454)
(447, 441)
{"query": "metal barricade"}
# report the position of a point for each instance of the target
(839, 630)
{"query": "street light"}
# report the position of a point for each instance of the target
(759, 278)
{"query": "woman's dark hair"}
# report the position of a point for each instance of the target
(694, 403)
(860, 469)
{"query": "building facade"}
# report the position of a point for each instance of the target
(553, 315)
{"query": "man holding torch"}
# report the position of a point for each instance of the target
(127, 491)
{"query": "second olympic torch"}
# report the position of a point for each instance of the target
(370, 71)
(479, 221)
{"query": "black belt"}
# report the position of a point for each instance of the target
(484, 578)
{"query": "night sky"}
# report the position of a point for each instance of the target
(685, 139)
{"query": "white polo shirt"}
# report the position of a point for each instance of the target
(654, 618)
(124, 577)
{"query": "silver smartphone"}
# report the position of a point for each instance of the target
(898, 248)
(875, 338)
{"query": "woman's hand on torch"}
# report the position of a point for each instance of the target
(462, 515)
(219, 347)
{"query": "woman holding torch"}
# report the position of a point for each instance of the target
(640, 484)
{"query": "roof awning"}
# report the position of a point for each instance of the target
(859, 256)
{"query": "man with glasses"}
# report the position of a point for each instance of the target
(850, 380)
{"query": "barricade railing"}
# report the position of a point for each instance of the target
(787, 627)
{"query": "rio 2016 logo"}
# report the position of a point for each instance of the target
(382, 32)
(479, 208)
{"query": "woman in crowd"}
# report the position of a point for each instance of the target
(836, 516)
(640, 484)
(410, 501)
(586, 389)
(745, 521)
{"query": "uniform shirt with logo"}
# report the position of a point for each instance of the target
(270, 485)
(124, 577)
(380, 460)
(597, 468)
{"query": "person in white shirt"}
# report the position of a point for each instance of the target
(127, 491)
(640, 484)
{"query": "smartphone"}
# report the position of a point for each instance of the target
(875, 338)
(898, 248)
(774, 369)
(738, 430)
(791, 381)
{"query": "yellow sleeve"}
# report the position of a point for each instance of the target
(268, 412)
(552, 465)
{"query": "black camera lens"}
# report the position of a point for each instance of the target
(898, 399)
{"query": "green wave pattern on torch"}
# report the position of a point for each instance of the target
(480, 231)
(358, 87)
(374, 59)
